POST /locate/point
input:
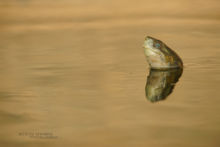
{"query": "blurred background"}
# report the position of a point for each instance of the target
(73, 73)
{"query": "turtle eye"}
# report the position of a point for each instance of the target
(157, 45)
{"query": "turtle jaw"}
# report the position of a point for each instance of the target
(155, 58)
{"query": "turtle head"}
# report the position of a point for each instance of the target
(153, 49)
(159, 55)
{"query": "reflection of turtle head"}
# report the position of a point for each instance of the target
(160, 83)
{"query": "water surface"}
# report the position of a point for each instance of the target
(77, 71)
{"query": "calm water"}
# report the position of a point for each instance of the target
(73, 73)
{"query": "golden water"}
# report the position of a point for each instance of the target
(76, 70)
